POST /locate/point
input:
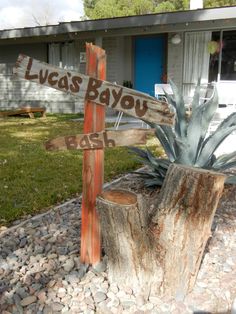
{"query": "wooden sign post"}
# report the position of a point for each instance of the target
(93, 163)
(97, 94)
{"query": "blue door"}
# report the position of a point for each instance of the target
(149, 63)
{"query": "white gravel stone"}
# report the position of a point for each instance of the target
(57, 307)
(201, 284)
(99, 297)
(113, 303)
(154, 300)
(61, 284)
(42, 296)
(61, 292)
(68, 265)
(28, 300)
(233, 307)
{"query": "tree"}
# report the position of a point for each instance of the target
(42, 13)
(218, 3)
(95, 9)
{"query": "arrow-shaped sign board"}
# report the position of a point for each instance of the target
(100, 139)
(88, 88)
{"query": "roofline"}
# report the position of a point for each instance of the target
(200, 15)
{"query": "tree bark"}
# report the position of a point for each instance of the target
(124, 224)
(181, 225)
(160, 251)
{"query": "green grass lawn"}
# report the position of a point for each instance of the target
(32, 179)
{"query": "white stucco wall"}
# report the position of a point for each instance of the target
(16, 92)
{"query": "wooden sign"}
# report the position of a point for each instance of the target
(93, 89)
(100, 139)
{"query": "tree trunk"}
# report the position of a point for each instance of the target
(160, 251)
(131, 259)
(181, 225)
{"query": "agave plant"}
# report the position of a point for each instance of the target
(187, 142)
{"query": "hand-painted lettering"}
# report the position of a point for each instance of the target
(71, 142)
(108, 142)
(84, 142)
(127, 102)
(29, 76)
(43, 77)
(105, 97)
(92, 89)
(50, 78)
(75, 87)
(96, 143)
(96, 90)
(116, 96)
(140, 112)
(63, 83)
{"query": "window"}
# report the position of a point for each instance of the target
(63, 55)
(214, 49)
(222, 50)
(228, 62)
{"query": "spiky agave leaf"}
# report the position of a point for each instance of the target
(151, 178)
(228, 165)
(165, 142)
(196, 97)
(227, 122)
(211, 144)
(158, 166)
(225, 161)
(199, 122)
(147, 157)
(231, 180)
(153, 182)
(178, 103)
(140, 152)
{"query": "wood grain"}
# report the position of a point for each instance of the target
(97, 90)
(100, 140)
(93, 164)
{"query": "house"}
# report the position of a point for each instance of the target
(141, 50)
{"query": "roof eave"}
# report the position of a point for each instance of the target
(200, 15)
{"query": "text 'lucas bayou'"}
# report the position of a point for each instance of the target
(100, 92)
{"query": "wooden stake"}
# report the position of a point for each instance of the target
(93, 163)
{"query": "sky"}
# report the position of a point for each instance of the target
(24, 13)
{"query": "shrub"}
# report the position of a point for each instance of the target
(187, 142)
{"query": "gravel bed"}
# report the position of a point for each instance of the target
(40, 270)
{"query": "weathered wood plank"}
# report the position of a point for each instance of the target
(24, 110)
(94, 89)
(93, 164)
(100, 140)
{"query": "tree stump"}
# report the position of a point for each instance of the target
(160, 252)
(181, 225)
(131, 258)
